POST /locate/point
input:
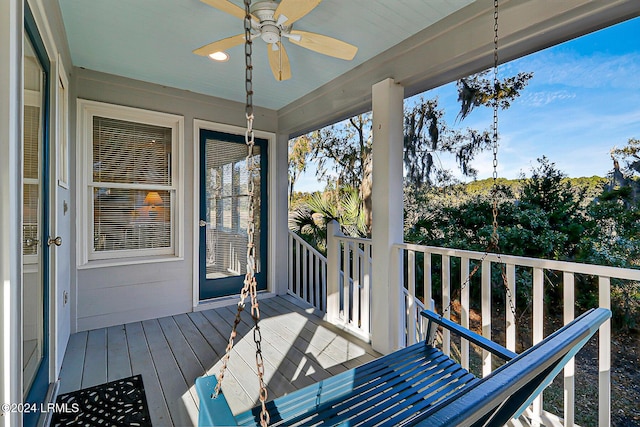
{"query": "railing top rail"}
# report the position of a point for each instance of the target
(354, 239)
(571, 267)
(308, 246)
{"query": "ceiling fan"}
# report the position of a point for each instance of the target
(272, 20)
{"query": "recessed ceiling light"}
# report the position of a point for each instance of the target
(219, 56)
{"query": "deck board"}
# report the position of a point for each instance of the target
(299, 349)
(118, 361)
(174, 385)
(73, 364)
(95, 361)
(142, 364)
(235, 392)
(278, 369)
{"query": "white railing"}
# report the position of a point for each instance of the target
(349, 281)
(537, 268)
(340, 286)
(307, 273)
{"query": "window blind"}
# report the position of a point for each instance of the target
(129, 152)
(31, 188)
(227, 201)
(132, 195)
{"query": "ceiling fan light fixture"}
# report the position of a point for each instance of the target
(270, 33)
(219, 56)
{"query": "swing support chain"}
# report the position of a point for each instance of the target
(250, 287)
(494, 242)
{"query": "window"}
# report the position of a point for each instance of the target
(131, 192)
(33, 82)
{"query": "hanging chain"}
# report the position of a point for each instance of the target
(250, 287)
(494, 242)
(495, 238)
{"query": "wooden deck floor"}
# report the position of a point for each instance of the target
(299, 349)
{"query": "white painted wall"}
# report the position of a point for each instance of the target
(11, 18)
(105, 296)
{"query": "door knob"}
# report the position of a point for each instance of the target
(29, 242)
(203, 223)
(57, 241)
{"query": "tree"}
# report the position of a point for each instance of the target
(299, 153)
(626, 178)
(630, 155)
(310, 221)
(345, 149)
(549, 191)
(426, 134)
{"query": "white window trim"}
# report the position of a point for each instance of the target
(84, 224)
(62, 127)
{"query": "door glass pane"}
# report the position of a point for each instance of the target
(227, 206)
(33, 305)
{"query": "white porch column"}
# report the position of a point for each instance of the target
(278, 214)
(11, 28)
(333, 272)
(387, 198)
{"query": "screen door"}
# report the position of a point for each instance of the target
(224, 213)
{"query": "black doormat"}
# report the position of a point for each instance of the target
(118, 403)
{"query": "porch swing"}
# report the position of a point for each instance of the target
(417, 385)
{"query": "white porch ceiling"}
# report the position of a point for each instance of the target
(152, 40)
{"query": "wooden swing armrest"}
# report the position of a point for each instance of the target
(478, 340)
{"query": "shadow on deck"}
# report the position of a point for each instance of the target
(170, 353)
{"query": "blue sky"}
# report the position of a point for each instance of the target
(583, 100)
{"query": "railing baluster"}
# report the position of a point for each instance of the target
(305, 273)
(411, 306)
(355, 291)
(346, 281)
(427, 280)
(604, 356)
(291, 250)
(538, 325)
(485, 291)
(446, 300)
(323, 293)
(511, 328)
(568, 286)
(298, 271)
(316, 281)
(464, 308)
(366, 289)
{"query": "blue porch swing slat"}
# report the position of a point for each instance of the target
(419, 385)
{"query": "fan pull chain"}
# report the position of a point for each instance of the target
(250, 287)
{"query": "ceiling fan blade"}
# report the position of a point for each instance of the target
(323, 44)
(279, 61)
(220, 45)
(227, 6)
(293, 10)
